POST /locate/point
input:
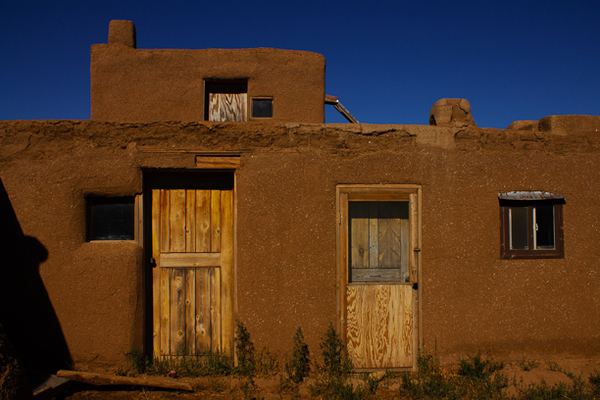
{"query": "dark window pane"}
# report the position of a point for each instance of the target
(518, 228)
(262, 108)
(544, 219)
(111, 218)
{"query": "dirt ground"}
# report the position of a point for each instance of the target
(522, 373)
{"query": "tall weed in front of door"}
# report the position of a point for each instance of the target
(297, 368)
(332, 375)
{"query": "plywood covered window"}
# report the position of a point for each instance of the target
(531, 225)
(226, 100)
(379, 241)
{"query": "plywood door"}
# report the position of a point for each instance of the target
(230, 107)
(192, 244)
(378, 238)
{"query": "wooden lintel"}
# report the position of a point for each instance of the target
(107, 380)
(217, 162)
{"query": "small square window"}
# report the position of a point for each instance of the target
(262, 108)
(110, 218)
(532, 225)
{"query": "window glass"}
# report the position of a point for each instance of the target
(262, 108)
(111, 218)
(518, 228)
(544, 227)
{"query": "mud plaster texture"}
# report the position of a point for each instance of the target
(286, 228)
(129, 84)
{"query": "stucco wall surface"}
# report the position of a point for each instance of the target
(286, 227)
(129, 84)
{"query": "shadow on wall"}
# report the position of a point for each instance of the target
(26, 312)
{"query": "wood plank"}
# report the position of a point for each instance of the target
(227, 271)
(214, 162)
(138, 230)
(177, 221)
(165, 200)
(215, 221)
(111, 380)
(190, 311)
(203, 221)
(165, 311)
(190, 221)
(389, 243)
(359, 234)
(373, 213)
(180, 260)
(177, 326)
(215, 311)
(343, 260)
(375, 275)
(203, 310)
(156, 272)
(405, 250)
(380, 325)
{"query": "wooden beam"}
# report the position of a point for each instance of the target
(112, 380)
(214, 162)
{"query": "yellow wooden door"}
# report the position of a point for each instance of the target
(378, 235)
(192, 245)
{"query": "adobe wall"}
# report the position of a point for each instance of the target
(129, 84)
(286, 228)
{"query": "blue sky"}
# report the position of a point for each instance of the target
(387, 61)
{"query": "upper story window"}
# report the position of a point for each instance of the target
(531, 225)
(226, 100)
(262, 107)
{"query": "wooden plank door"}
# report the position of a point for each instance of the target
(192, 246)
(378, 238)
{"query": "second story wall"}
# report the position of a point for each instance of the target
(129, 84)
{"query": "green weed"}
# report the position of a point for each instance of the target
(333, 374)
(476, 379)
(244, 349)
(528, 365)
(298, 367)
(476, 367)
(207, 364)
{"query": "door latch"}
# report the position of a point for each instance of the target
(153, 262)
(416, 286)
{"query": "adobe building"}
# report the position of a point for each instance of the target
(206, 188)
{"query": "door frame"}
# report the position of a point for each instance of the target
(224, 168)
(379, 192)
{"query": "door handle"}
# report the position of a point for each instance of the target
(153, 262)
(415, 286)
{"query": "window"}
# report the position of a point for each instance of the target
(378, 233)
(379, 247)
(531, 224)
(262, 108)
(110, 218)
(226, 100)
